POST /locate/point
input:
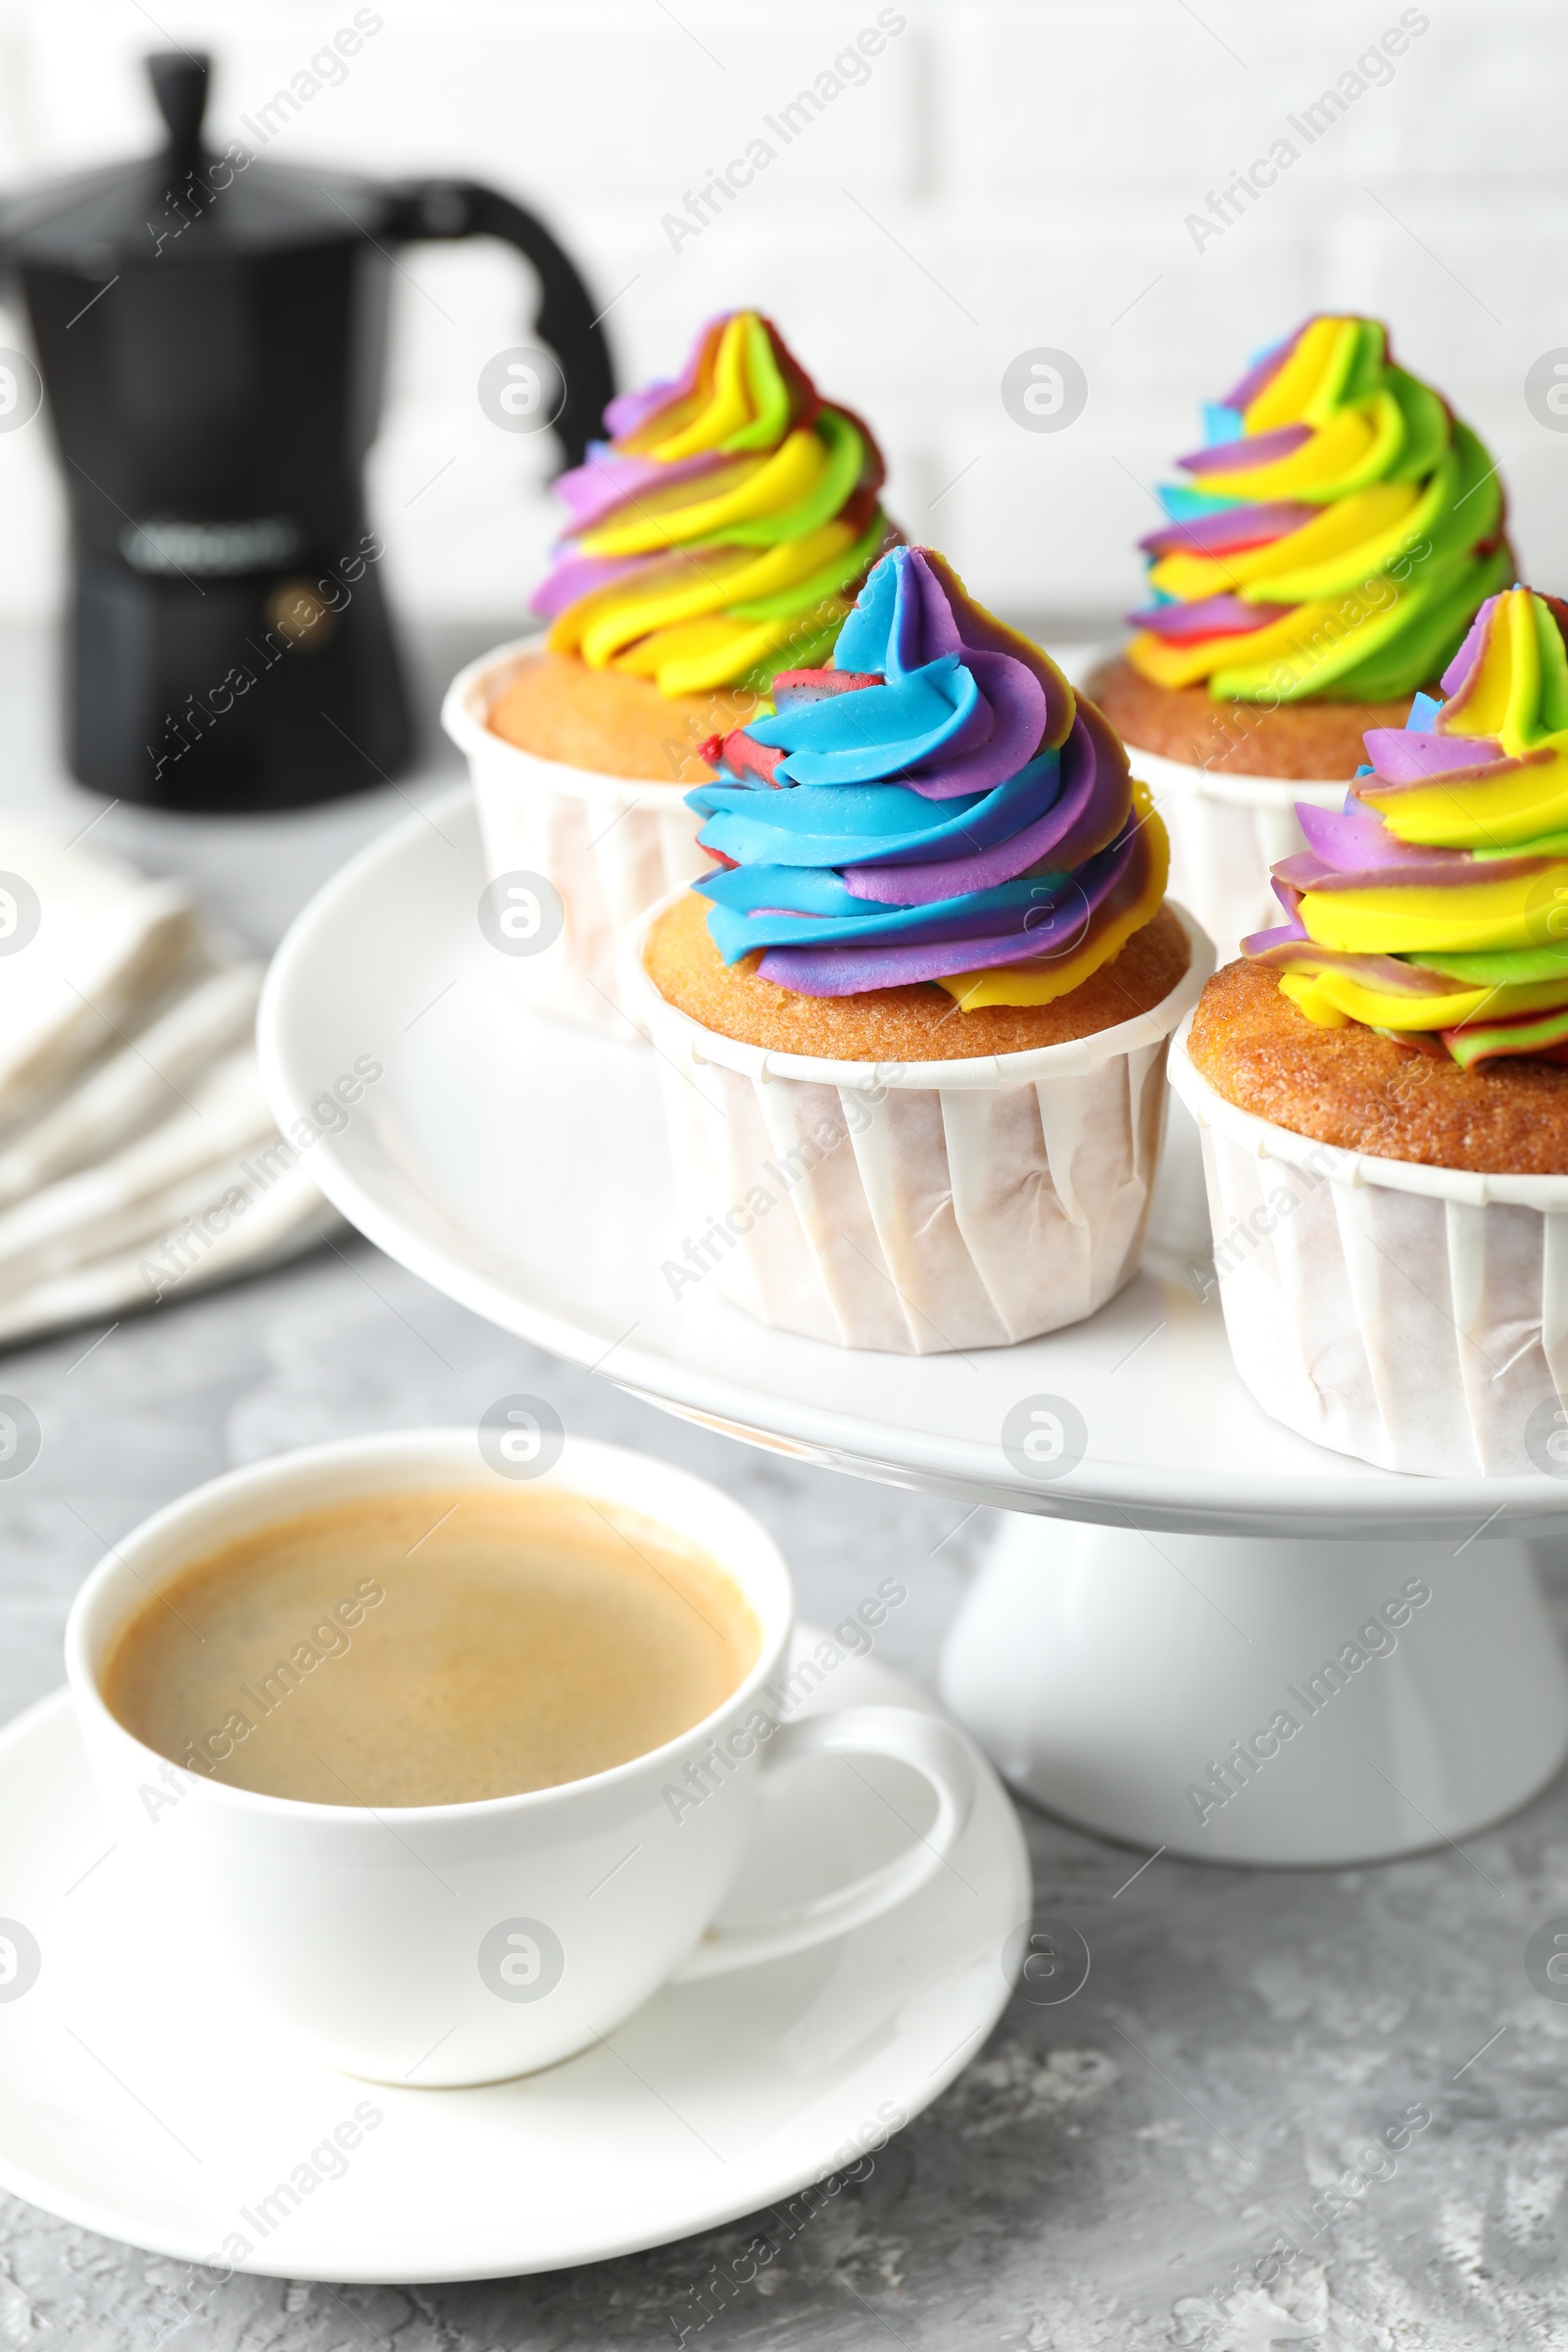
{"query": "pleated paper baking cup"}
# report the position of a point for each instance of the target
(606, 846)
(1416, 1317)
(1226, 832)
(913, 1206)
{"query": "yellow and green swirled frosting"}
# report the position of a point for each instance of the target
(722, 531)
(1434, 907)
(1335, 537)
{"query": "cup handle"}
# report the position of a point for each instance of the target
(933, 1748)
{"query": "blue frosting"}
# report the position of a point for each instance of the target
(881, 824)
(824, 913)
(1183, 504)
(851, 738)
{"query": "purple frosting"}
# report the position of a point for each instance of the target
(1354, 840)
(607, 481)
(1469, 653)
(1428, 869)
(1250, 449)
(1231, 528)
(1403, 755)
(578, 576)
(1208, 616)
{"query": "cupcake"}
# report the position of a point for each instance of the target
(1333, 542)
(718, 537)
(912, 1021)
(1382, 1082)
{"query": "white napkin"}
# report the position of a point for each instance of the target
(138, 1158)
(84, 946)
(134, 1088)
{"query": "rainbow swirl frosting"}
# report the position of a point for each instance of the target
(720, 533)
(1338, 533)
(1434, 908)
(936, 805)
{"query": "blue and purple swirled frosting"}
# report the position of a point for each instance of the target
(937, 805)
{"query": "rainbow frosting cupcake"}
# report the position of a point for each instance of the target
(914, 1019)
(1322, 562)
(718, 537)
(722, 533)
(1338, 529)
(1434, 907)
(1404, 1034)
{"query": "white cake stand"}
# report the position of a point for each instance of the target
(1198, 1575)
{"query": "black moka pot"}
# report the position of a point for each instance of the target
(212, 331)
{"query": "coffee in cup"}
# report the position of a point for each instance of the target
(432, 1648)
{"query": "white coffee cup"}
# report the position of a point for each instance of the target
(442, 1944)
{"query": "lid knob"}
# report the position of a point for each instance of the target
(180, 86)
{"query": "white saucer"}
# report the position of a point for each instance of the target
(520, 1166)
(134, 2102)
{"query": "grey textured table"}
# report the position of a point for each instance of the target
(1108, 2166)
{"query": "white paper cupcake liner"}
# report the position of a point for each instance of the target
(610, 846)
(1226, 832)
(1414, 1316)
(913, 1207)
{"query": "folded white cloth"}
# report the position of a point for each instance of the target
(138, 1156)
(136, 1087)
(85, 946)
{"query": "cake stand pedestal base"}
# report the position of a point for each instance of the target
(1260, 1701)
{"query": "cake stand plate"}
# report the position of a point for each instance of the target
(521, 1168)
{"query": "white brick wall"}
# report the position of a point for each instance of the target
(1007, 175)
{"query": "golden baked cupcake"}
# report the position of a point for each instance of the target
(913, 1022)
(1381, 1087)
(1335, 537)
(716, 537)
